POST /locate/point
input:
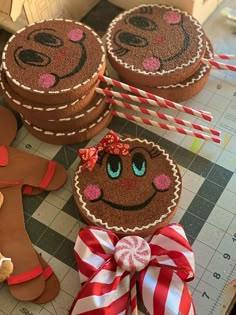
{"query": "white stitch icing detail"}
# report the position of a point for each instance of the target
(37, 91)
(131, 67)
(78, 116)
(68, 133)
(135, 229)
(62, 90)
(34, 107)
(204, 68)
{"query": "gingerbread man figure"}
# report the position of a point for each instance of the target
(18, 170)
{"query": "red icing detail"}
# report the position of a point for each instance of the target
(5, 184)
(26, 276)
(75, 35)
(27, 190)
(162, 182)
(47, 272)
(46, 80)
(128, 183)
(49, 175)
(3, 156)
(151, 64)
(92, 192)
(172, 17)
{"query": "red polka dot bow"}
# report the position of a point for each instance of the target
(110, 269)
(110, 143)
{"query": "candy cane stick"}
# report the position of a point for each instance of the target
(224, 56)
(158, 99)
(163, 116)
(144, 100)
(165, 126)
(218, 65)
(133, 295)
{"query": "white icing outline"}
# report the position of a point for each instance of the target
(163, 72)
(68, 134)
(204, 69)
(87, 111)
(18, 103)
(56, 91)
(145, 227)
(46, 109)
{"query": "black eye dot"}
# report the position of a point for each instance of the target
(34, 58)
(143, 22)
(48, 39)
(132, 39)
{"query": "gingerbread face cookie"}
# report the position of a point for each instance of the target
(155, 40)
(60, 55)
(132, 194)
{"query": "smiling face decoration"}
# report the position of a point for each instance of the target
(53, 55)
(132, 194)
(153, 39)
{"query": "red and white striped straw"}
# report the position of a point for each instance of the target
(166, 127)
(144, 100)
(159, 100)
(224, 56)
(164, 116)
(218, 65)
(133, 295)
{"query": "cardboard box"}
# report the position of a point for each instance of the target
(15, 14)
(200, 9)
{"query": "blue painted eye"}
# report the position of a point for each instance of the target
(114, 166)
(139, 164)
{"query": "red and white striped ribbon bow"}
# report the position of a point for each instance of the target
(109, 279)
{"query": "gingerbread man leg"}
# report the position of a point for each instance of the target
(52, 284)
(27, 281)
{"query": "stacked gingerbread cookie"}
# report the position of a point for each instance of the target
(49, 75)
(159, 49)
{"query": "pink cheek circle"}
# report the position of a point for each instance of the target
(172, 17)
(75, 35)
(151, 64)
(162, 182)
(92, 192)
(46, 80)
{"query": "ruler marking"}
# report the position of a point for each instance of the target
(220, 297)
(226, 267)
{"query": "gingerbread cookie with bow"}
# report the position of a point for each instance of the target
(128, 185)
(127, 189)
